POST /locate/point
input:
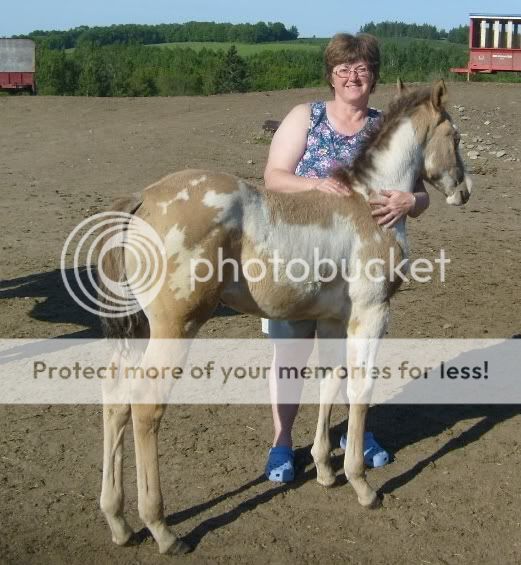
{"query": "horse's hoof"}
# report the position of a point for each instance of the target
(130, 542)
(126, 539)
(371, 503)
(326, 480)
(179, 547)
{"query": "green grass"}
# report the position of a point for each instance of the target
(306, 44)
(244, 49)
(303, 44)
(432, 42)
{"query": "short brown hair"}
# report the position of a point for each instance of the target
(345, 48)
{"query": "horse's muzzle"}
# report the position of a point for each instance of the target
(462, 194)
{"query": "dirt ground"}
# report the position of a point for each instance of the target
(452, 494)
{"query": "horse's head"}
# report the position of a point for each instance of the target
(442, 163)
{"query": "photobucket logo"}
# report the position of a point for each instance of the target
(319, 269)
(93, 258)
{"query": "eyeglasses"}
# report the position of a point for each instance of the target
(345, 72)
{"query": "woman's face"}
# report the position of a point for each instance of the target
(352, 82)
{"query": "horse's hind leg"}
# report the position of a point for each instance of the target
(146, 420)
(367, 325)
(147, 411)
(115, 419)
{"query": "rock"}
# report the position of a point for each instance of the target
(465, 118)
(500, 154)
(270, 126)
(473, 155)
(461, 108)
(448, 326)
(481, 148)
(470, 146)
(251, 162)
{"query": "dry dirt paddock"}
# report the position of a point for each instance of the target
(452, 494)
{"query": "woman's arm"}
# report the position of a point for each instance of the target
(422, 200)
(286, 150)
(392, 205)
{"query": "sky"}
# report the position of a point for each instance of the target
(321, 18)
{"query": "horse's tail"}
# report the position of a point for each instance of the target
(132, 324)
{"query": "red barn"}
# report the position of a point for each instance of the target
(17, 64)
(494, 44)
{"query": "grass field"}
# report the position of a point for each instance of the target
(304, 44)
(244, 49)
(432, 42)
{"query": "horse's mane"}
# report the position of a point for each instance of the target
(402, 107)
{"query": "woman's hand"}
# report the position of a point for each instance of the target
(389, 206)
(332, 186)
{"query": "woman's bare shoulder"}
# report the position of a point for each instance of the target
(300, 111)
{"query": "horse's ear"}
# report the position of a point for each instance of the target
(439, 95)
(401, 88)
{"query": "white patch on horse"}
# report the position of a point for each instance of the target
(164, 206)
(180, 282)
(181, 195)
(429, 163)
(285, 241)
(229, 214)
(397, 165)
(195, 182)
(291, 240)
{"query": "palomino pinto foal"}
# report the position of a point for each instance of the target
(201, 214)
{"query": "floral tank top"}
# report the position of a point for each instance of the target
(326, 149)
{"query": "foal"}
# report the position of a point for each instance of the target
(207, 215)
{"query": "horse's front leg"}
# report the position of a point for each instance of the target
(367, 326)
(331, 335)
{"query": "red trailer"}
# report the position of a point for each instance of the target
(494, 44)
(17, 64)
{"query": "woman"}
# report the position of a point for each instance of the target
(313, 140)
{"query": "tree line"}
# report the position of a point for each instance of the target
(260, 32)
(401, 29)
(136, 70)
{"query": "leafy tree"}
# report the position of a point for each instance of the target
(231, 74)
(459, 35)
(128, 34)
(56, 74)
(143, 83)
(94, 79)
